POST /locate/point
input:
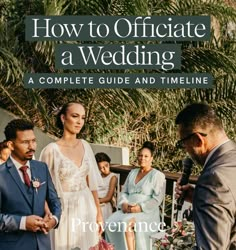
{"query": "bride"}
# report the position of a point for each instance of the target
(76, 177)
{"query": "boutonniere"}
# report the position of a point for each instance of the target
(37, 184)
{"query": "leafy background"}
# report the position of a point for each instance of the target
(122, 117)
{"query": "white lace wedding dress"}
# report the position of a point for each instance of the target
(77, 228)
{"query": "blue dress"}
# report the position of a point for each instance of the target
(148, 193)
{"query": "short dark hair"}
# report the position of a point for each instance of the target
(63, 111)
(198, 115)
(102, 157)
(17, 125)
(149, 145)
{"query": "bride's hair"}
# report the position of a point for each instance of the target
(63, 111)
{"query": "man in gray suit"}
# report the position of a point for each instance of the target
(26, 192)
(214, 197)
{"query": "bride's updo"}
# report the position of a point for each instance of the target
(63, 111)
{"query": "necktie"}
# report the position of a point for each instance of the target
(26, 178)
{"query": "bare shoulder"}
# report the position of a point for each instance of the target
(114, 177)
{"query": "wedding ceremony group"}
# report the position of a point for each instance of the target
(69, 198)
(117, 125)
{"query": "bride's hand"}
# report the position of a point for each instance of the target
(100, 223)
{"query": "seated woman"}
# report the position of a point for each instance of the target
(139, 217)
(106, 192)
(4, 152)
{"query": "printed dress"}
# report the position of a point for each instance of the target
(148, 193)
(77, 228)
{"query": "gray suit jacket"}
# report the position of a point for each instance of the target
(16, 200)
(214, 201)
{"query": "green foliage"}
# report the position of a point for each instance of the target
(120, 117)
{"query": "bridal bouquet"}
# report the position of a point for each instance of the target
(180, 237)
(103, 245)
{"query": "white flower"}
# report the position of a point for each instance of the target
(37, 184)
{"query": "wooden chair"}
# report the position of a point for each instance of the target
(117, 191)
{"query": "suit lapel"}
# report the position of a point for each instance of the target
(34, 175)
(16, 177)
(33, 171)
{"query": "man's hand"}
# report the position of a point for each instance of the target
(187, 188)
(49, 223)
(34, 223)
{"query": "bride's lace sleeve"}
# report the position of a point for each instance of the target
(94, 175)
(48, 155)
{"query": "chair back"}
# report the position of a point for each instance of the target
(116, 193)
(162, 206)
(159, 235)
